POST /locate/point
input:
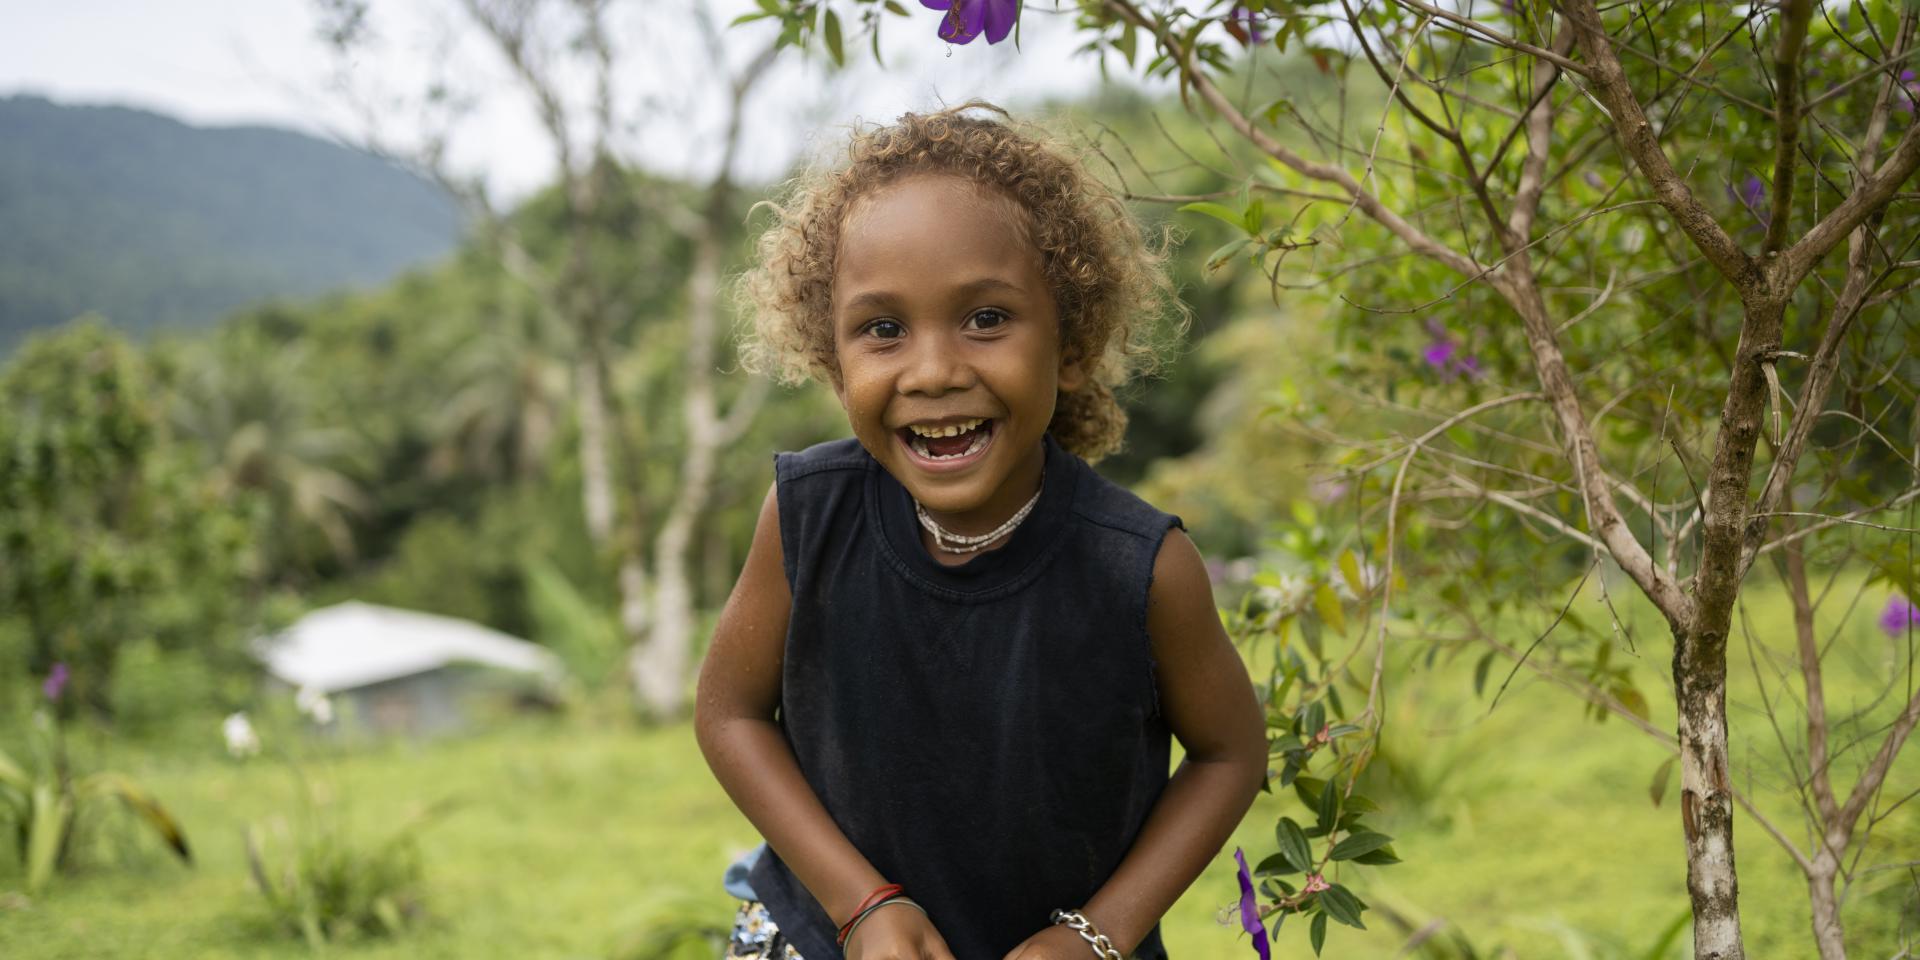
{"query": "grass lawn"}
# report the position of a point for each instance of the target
(1530, 827)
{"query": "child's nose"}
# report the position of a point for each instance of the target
(935, 368)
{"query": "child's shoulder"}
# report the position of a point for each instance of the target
(1106, 504)
(844, 454)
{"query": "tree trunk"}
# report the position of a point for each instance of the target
(1706, 795)
(1827, 932)
(596, 473)
(659, 659)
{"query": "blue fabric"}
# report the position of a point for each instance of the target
(735, 879)
(987, 735)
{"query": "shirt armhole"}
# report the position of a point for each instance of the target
(789, 517)
(1146, 599)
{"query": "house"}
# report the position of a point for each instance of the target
(390, 671)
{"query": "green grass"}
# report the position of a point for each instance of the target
(1529, 827)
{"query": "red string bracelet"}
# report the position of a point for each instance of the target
(870, 901)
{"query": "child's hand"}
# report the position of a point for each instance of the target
(897, 933)
(1053, 943)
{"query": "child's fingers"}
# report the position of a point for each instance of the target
(897, 933)
(937, 949)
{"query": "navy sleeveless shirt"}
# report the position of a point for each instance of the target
(987, 735)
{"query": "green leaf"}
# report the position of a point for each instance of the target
(1127, 43)
(748, 18)
(772, 7)
(1308, 789)
(1327, 604)
(1226, 215)
(143, 805)
(1658, 789)
(1383, 857)
(1219, 258)
(1318, 932)
(1480, 673)
(1359, 844)
(1633, 700)
(834, 47)
(1310, 633)
(1329, 807)
(12, 774)
(1342, 906)
(45, 830)
(895, 8)
(1275, 865)
(1275, 109)
(1293, 844)
(1350, 568)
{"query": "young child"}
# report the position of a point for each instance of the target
(944, 685)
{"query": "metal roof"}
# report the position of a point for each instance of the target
(355, 644)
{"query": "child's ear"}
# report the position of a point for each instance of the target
(1073, 374)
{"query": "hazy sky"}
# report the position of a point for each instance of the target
(219, 62)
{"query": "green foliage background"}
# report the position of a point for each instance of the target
(162, 502)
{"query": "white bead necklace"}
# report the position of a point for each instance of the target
(966, 544)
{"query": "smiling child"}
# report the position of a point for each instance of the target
(945, 685)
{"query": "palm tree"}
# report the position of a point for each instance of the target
(509, 402)
(246, 407)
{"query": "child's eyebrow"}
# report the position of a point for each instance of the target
(884, 299)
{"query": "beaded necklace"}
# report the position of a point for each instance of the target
(962, 543)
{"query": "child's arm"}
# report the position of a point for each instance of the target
(1208, 701)
(733, 721)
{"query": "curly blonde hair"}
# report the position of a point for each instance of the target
(1108, 282)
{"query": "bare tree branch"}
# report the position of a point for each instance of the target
(1368, 203)
(1795, 16)
(1643, 146)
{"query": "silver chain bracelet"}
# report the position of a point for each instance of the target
(1102, 947)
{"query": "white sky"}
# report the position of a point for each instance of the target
(222, 62)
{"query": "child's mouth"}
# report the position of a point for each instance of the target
(948, 445)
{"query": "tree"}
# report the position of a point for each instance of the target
(108, 535)
(1640, 211)
(583, 291)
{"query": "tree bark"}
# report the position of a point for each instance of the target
(657, 664)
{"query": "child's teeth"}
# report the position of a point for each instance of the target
(950, 430)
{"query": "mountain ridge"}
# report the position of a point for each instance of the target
(156, 223)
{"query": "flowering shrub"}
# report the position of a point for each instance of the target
(42, 801)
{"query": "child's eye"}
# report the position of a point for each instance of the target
(885, 329)
(987, 319)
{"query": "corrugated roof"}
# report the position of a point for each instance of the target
(354, 644)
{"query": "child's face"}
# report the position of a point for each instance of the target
(942, 317)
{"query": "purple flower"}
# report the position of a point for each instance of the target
(1595, 181)
(966, 19)
(56, 682)
(1752, 194)
(1250, 909)
(1900, 613)
(1245, 25)
(1326, 489)
(1444, 355)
